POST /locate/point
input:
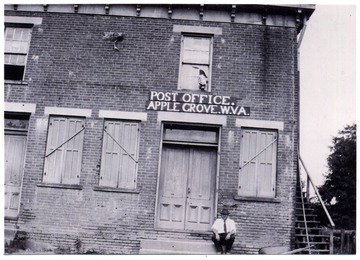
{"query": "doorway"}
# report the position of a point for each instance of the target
(187, 181)
(16, 127)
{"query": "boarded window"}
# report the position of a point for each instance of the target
(119, 154)
(17, 42)
(64, 150)
(195, 63)
(258, 163)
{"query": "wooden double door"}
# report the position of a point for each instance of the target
(186, 195)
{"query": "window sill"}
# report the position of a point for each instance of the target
(184, 90)
(11, 218)
(256, 199)
(15, 82)
(119, 190)
(60, 186)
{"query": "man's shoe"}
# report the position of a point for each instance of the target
(227, 253)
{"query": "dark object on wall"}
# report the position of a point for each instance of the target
(114, 37)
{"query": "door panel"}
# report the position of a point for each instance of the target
(186, 188)
(14, 163)
(201, 187)
(172, 194)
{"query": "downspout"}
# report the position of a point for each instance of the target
(298, 76)
(298, 118)
(302, 31)
(301, 36)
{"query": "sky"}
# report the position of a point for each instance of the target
(327, 82)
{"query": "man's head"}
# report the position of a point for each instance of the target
(224, 214)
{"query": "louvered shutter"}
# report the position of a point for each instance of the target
(73, 152)
(110, 162)
(266, 164)
(64, 164)
(258, 163)
(118, 169)
(247, 176)
(127, 174)
(54, 162)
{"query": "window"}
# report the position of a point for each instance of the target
(119, 154)
(195, 67)
(257, 163)
(64, 150)
(17, 41)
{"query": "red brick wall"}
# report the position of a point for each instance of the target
(69, 65)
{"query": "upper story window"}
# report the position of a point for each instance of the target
(17, 41)
(195, 63)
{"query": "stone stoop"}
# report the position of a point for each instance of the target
(172, 247)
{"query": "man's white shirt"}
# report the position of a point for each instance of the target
(219, 225)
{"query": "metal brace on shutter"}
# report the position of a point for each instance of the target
(82, 129)
(258, 153)
(121, 146)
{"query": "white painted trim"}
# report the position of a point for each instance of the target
(67, 111)
(23, 19)
(20, 107)
(279, 125)
(197, 29)
(123, 115)
(191, 118)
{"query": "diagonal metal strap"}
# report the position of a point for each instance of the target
(82, 129)
(121, 146)
(258, 153)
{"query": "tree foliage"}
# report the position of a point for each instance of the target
(339, 188)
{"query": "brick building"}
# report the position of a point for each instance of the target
(129, 127)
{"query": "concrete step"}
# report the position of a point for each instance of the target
(172, 246)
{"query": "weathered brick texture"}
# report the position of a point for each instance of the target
(69, 65)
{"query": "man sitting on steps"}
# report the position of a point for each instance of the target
(223, 232)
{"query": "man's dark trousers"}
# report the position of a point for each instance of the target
(227, 243)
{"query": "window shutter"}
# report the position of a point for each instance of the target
(73, 152)
(267, 164)
(118, 169)
(127, 174)
(257, 163)
(110, 162)
(247, 178)
(64, 151)
(53, 163)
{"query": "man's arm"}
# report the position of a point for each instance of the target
(216, 232)
(232, 231)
